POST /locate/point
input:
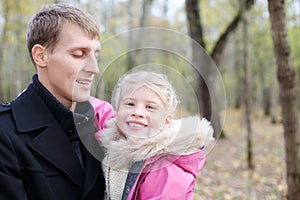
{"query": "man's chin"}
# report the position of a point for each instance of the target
(81, 98)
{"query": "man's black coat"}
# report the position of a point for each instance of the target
(37, 159)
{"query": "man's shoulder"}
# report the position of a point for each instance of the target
(5, 114)
(6, 122)
(5, 107)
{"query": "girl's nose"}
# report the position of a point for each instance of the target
(138, 111)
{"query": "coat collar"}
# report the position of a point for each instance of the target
(31, 114)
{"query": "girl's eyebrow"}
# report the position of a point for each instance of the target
(133, 99)
(152, 102)
(127, 98)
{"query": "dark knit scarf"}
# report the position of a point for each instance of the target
(74, 124)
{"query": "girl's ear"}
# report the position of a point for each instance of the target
(39, 56)
(168, 120)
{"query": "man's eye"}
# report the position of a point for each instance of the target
(97, 58)
(97, 55)
(78, 55)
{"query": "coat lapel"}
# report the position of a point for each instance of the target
(92, 165)
(53, 145)
(31, 114)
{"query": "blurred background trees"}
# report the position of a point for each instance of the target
(116, 16)
(236, 34)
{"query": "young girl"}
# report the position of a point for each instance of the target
(150, 155)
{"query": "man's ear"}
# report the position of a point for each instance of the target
(39, 56)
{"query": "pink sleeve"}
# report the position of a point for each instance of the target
(103, 112)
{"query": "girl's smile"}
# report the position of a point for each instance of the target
(141, 113)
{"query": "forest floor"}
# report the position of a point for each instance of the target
(226, 176)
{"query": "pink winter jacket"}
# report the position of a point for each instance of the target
(167, 164)
(170, 177)
(163, 167)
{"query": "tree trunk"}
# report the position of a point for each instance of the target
(248, 94)
(266, 89)
(221, 42)
(131, 40)
(288, 96)
(196, 33)
(195, 28)
(136, 56)
(147, 4)
(274, 100)
(237, 74)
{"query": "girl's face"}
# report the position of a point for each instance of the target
(141, 113)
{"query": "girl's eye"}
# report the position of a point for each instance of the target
(150, 107)
(129, 103)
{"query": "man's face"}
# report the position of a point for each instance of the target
(141, 113)
(71, 67)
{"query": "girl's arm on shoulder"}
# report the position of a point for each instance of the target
(103, 112)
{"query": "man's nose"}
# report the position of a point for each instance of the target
(90, 64)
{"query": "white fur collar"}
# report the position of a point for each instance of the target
(184, 136)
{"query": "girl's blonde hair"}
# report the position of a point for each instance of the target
(159, 83)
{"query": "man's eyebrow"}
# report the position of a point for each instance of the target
(79, 48)
(84, 48)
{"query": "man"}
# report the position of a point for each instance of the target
(42, 156)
